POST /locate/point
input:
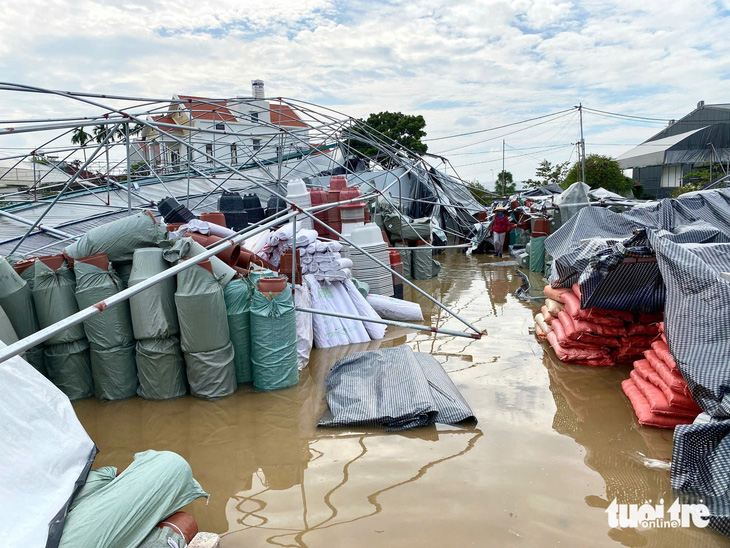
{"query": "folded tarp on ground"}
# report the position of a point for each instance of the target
(395, 388)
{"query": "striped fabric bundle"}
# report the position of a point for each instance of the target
(593, 336)
(658, 392)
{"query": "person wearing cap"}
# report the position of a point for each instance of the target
(500, 227)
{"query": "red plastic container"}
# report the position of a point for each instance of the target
(338, 182)
(540, 227)
(482, 216)
(54, 262)
(22, 266)
(229, 256)
(349, 194)
(181, 522)
(99, 260)
(272, 286)
(215, 217)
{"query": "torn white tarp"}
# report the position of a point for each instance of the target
(45, 452)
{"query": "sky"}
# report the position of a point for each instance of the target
(466, 66)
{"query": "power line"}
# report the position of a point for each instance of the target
(664, 120)
(498, 127)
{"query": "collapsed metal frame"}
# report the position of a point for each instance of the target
(333, 129)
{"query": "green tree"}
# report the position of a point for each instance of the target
(404, 129)
(80, 137)
(601, 172)
(694, 180)
(504, 185)
(547, 173)
(481, 194)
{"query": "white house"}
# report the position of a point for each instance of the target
(240, 132)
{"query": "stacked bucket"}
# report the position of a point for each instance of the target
(231, 205)
(296, 193)
(337, 185)
(370, 239)
(318, 196)
(352, 215)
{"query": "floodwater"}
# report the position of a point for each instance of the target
(555, 444)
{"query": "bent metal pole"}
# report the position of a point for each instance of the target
(46, 333)
(430, 329)
(217, 161)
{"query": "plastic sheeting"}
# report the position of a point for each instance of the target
(69, 367)
(201, 311)
(45, 452)
(363, 308)
(118, 239)
(572, 200)
(390, 308)
(537, 254)
(274, 341)
(211, 373)
(124, 510)
(54, 299)
(109, 333)
(395, 388)
(331, 331)
(153, 310)
(305, 329)
(161, 369)
(237, 295)
(7, 331)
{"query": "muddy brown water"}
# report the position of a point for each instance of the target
(554, 445)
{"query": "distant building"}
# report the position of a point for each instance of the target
(17, 178)
(247, 130)
(661, 162)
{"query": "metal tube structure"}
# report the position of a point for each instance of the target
(43, 228)
(70, 182)
(129, 173)
(394, 323)
(46, 333)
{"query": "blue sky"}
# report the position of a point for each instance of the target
(464, 65)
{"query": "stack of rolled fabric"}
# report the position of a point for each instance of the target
(593, 336)
(324, 261)
(657, 391)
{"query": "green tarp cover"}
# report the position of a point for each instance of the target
(118, 239)
(114, 371)
(124, 511)
(274, 341)
(17, 301)
(402, 231)
(153, 310)
(7, 331)
(201, 311)
(211, 374)
(161, 369)
(537, 254)
(406, 257)
(123, 270)
(69, 368)
(422, 263)
(113, 326)
(54, 299)
(94, 481)
(362, 287)
(161, 537)
(237, 295)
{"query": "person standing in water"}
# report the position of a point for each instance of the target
(500, 228)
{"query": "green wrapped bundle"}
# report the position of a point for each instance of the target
(237, 295)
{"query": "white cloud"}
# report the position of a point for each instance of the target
(464, 65)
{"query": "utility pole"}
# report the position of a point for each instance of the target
(503, 182)
(582, 145)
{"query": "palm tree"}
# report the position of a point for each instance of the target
(80, 137)
(100, 133)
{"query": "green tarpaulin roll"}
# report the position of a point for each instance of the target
(422, 263)
(7, 331)
(118, 239)
(114, 371)
(124, 511)
(153, 310)
(237, 295)
(537, 254)
(362, 287)
(161, 369)
(54, 298)
(69, 368)
(274, 341)
(17, 301)
(113, 326)
(212, 374)
(123, 270)
(402, 231)
(201, 311)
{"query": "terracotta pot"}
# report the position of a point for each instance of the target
(99, 260)
(272, 286)
(367, 215)
(229, 256)
(385, 237)
(69, 260)
(215, 217)
(22, 266)
(54, 262)
(181, 522)
(395, 258)
(285, 265)
(172, 227)
(318, 196)
(482, 216)
(206, 264)
(349, 194)
(242, 271)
